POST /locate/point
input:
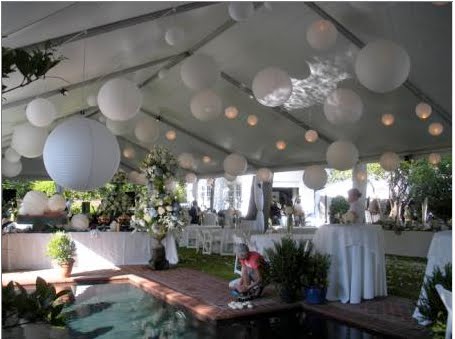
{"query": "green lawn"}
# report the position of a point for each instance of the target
(404, 275)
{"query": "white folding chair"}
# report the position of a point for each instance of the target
(199, 240)
(368, 218)
(227, 242)
(446, 297)
(192, 238)
(211, 240)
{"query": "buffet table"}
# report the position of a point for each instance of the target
(357, 268)
(27, 251)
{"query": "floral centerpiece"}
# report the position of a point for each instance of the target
(116, 202)
(348, 218)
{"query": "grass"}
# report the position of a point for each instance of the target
(404, 274)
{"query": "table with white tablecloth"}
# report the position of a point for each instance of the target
(93, 249)
(357, 269)
(439, 254)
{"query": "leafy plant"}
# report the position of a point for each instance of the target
(46, 186)
(61, 248)
(316, 271)
(338, 207)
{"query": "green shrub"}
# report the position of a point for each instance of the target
(338, 206)
(61, 248)
(315, 273)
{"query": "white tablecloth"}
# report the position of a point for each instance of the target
(439, 254)
(105, 249)
(357, 268)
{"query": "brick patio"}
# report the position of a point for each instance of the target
(206, 297)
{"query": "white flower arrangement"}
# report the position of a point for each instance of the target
(348, 218)
(116, 202)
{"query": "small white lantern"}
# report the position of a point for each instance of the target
(11, 169)
(206, 105)
(240, 11)
(171, 135)
(28, 140)
(231, 112)
(129, 152)
(147, 130)
(235, 164)
(382, 66)
(343, 106)
(272, 87)
(92, 101)
(40, 112)
(174, 36)
(56, 203)
(315, 177)
(186, 160)
(119, 127)
(119, 99)
(11, 155)
(252, 120)
(81, 154)
(321, 35)
(35, 203)
(199, 72)
(229, 177)
(191, 178)
(264, 174)
(435, 129)
(423, 110)
(311, 135)
(80, 222)
(389, 161)
(280, 145)
(434, 159)
(342, 155)
(387, 119)
(206, 159)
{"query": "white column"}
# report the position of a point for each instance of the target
(359, 181)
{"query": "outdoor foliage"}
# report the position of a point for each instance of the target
(316, 271)
(338, 207)
(115, 201)
(46, 186)
(21, 186)
(374, 170)
(61, 248)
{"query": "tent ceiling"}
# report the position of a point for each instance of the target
(268, 38)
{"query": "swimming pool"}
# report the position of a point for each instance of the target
(125, 311)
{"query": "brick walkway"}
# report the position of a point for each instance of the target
(206, 297)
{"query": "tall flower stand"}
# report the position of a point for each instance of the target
(158, 260)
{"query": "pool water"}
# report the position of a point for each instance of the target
(124, 311)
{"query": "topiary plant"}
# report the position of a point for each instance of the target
(338, 207)
(61, 248)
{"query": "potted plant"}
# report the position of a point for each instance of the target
(62, 249)
(314, 278)
(286, 262)
(338, 207)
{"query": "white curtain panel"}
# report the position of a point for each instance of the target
(259, 201)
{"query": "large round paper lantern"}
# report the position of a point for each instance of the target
(389, 161)
(272, 87)
(229, 177)
(387, 119)
(119, 127)
(80, 222)
(191, 178)
(206, 105)
(40, 112)
(11, 169)
(240, 10)
(56, 203)
(129, 152)
(147, 130)
(174, 36)
(35, 203)
(252, 120)
(423, 110)
(231, 112)
(342, 155)
(343, 106)
(186, 160)
(199, 72)
(11, 155)
(435, 129)
(382, 66)
(264, 174)
(81, 154)
(321, 35)
(311, 135)
(92, 101)
(434, 158)
(235, 164)
(119, 99)
(28, 140)
(171, 135)
(315, 177)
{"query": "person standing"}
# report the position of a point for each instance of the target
(299, 215)
(355, 206)
(195, 214)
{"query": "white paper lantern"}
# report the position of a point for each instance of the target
(229, 177)
(387, 119)
(11, 169)
(321, 35)
(35, 203)
(252, 120)
(186, 160)
(264, 174)
(342, 155)
(311, 135)
(280, 145)
(272, 87)
(129, 152)
(435, 129)
(174, 36)
(11, 155)
(92, 101)
(80, 222)
(199, 72)
(382, 66)
(171, 135)
(206, 105)
(119, 99)
(56, 203)
(147, 130)
(231, 112)
(240, 10)
(423, 110)
(235, 164)
(389, 161)
(434, 158)
(206, 159)
(343, 106)
(28, 140)
(81, 154)
(119, 127)
(163, 73)
(191, 178)
(40, 112)
(315, 177)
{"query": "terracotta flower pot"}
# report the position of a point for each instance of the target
(66, 268)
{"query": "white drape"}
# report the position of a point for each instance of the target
(259, 201)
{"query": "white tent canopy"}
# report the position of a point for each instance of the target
(126, 39)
